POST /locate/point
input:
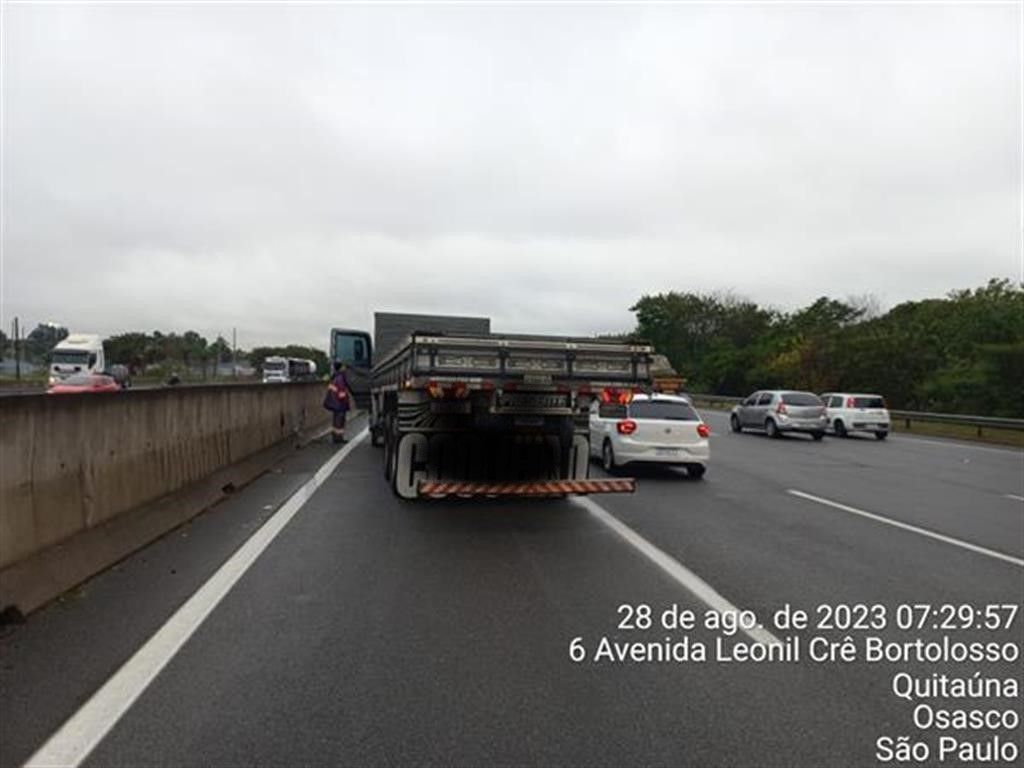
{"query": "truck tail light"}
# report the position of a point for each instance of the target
(627, 427)
(459, 390)
(620, 396)
(435, 390)
(703, 430)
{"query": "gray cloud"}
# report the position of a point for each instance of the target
(283, 169)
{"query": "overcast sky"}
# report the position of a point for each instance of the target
(284, 169)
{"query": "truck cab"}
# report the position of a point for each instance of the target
(275, 370)
(76, 354)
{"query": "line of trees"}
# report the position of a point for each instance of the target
(960, 354)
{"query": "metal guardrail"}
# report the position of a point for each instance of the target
(907, 417)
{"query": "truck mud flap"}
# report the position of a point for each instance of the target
(535, 488)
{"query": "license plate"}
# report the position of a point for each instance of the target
(666, 451)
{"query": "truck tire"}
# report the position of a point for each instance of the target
(390, 452)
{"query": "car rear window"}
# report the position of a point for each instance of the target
(800, 398)
(868, 402)
(660, 409)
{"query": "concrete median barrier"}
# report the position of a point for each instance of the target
(83, 476)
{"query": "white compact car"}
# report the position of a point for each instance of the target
(660, 429)
(856, 413)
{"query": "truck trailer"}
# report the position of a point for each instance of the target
(482, 414)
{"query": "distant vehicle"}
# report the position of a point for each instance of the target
(780, 411)
(275, 370)
(300, 369)
(284, 369)
(121, 374)
(80, 383)
(78, 353)
(849, 412)
(659, 429)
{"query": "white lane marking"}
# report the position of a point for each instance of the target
(84, 730)
(1014, 496)
(913, 528)
(679, 572)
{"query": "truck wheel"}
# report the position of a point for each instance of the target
(390, 453)
(734, 424)
(772, 429)
(376, 438)
(608, 457)
(840, 428)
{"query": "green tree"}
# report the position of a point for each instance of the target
(44, 337)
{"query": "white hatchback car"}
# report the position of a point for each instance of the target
(856, 413)
(661, 429)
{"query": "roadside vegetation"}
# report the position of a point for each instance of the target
(960, 354)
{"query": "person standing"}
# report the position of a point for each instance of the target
(337, 400)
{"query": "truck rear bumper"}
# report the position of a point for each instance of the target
(535, 488)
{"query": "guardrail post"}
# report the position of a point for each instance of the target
(907, 420)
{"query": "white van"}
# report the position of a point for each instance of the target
(78, 353)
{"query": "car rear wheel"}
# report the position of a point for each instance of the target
(840, 428)
(881, 435)
(696, 471)
(817, 435)
(607, 457)
(734, 423)
(772, 429)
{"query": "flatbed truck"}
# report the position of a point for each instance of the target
(484, 414)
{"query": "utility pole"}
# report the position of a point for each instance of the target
(17, 352)
(234, 352)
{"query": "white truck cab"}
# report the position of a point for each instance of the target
(78, 353)
(275, 370)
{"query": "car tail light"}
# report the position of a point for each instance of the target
(781, 407)
(627, 427)
(435, 390)
(459, 390)
(703, 430)
(850, 402)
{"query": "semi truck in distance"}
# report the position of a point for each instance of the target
(75, 354)
(461, 411)
(278, 370)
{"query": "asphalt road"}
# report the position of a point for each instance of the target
(376, 632)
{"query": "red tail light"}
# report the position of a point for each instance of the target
(459, 390)
(850, 402)
(435, 390)
(703, 430)
(781, 407)
(627, 427)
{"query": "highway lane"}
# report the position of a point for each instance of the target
(374, 631)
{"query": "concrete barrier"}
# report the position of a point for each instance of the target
(70, 464)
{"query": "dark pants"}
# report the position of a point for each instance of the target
(338, 425)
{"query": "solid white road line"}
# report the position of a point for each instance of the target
(679, 572)
(84, 730)
(1014, 496)
(913, 528)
